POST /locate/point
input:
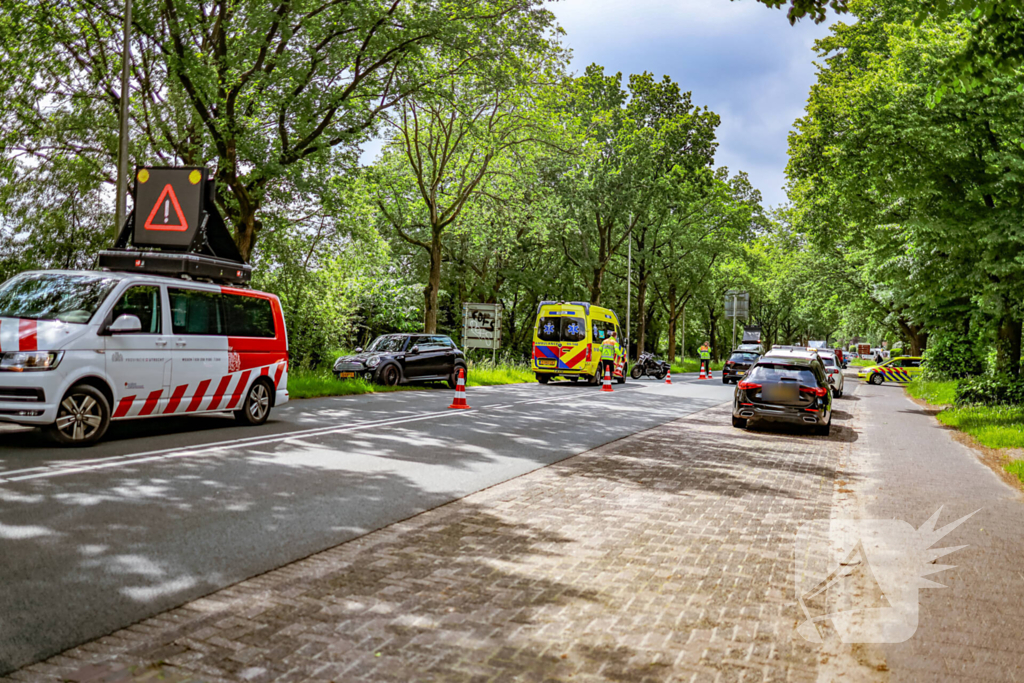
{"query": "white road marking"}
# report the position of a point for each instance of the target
(168, 453)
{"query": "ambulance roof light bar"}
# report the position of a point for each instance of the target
(176, 230)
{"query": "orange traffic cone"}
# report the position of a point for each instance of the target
(460, 392)
(607, 386)
(702, 375)
(709, 371)
(668, 377)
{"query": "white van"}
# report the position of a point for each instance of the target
(81, 348)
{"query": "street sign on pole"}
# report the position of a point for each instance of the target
(737, 304)
(481, 327)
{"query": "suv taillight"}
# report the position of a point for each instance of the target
(817, 391)
(746, 386)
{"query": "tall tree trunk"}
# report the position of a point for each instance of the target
(641, 314)
(713, 325)
(433, 284)
(1008, 346)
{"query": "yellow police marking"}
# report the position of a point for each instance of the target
(143, 175)
(194, 177)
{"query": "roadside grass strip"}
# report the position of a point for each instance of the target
(693, 365)
(935, 393)
(304, 383)
(863, 363)
(991, 426)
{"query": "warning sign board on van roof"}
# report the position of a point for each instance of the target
(168, 205)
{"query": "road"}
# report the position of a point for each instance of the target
(164, 511)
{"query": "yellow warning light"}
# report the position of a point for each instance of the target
(194, 177)
(143, 175)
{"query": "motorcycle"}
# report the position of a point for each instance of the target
(648, 365)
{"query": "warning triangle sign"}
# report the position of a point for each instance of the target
(162, 213)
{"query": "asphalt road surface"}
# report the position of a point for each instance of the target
(164, 511)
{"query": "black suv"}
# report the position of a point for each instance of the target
(402, 358)
(738, 364)
(785, 389)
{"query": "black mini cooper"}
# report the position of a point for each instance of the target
(403, 358)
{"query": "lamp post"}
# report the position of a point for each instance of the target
(122, 149)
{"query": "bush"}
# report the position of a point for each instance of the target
(951, 354)
(990, 390)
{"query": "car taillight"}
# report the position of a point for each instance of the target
(747, 386)
(817, 391)
(730, 363)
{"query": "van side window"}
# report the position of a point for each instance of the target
(195, 312)
(247, 316)
(142, 301)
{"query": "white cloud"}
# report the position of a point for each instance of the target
(741, 59)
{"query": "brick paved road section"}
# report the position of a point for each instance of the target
(665, 556)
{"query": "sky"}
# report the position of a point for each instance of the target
(739, 58)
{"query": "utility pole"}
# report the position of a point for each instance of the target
(629, 287)
(122, 149)
(735, 297)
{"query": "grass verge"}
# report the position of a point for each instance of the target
(935, 393)
(862, 363)
(304, 383)
(990, 426)
(693, 365)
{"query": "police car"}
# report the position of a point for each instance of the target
(900, 370)
(167, 327)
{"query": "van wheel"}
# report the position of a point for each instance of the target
(256, 407)
(82, 417)
(543, 379)
(574, 378)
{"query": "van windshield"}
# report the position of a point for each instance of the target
(561, 329)
(67, 297)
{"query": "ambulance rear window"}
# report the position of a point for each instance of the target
(561, 329)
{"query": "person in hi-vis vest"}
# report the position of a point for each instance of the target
(705, 358)
(610, 350)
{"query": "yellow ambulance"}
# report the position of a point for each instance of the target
(567, 340)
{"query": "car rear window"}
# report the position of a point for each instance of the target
(828, 362)
(780, 371)
(561, 328)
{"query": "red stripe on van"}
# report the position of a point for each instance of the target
(219, 394)
(172, 405)
(198, 397)
(280, 371)
(150, 403)
(27, 335)
(124, 406)
(264, 371)
(239, 388)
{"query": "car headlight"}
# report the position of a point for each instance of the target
(28, 361)
(373, 361)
